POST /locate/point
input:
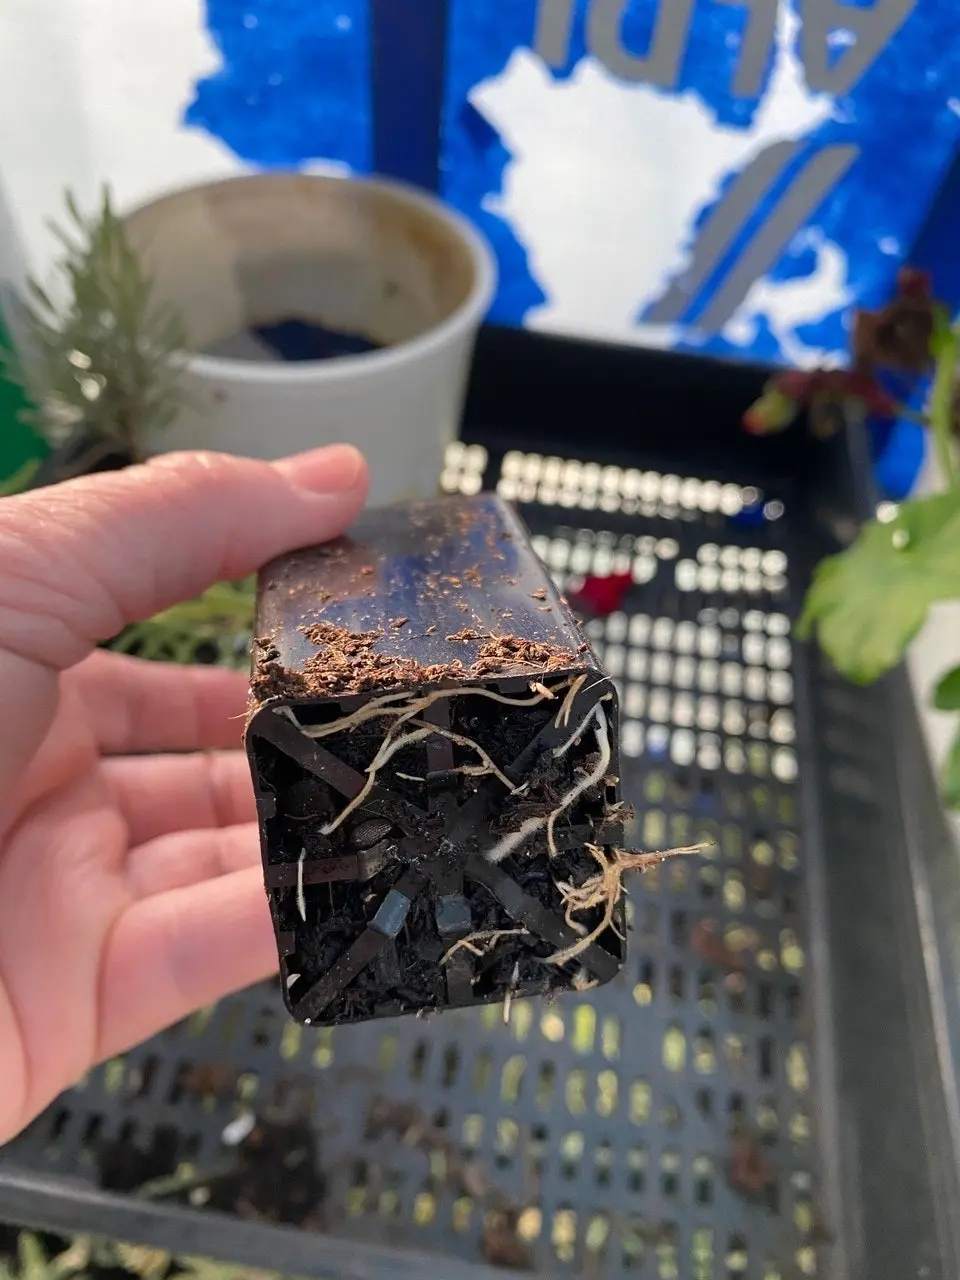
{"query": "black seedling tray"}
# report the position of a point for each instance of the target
(767, 1090)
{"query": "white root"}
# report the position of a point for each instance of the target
(489, 766)
(387, 748)
(536, 687)
(596, 775)
(480, 943)
(563, 715)
(508, 1002)
(301, 900)
(379, 707)
(510, 841)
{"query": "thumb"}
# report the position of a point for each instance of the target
(80, 560)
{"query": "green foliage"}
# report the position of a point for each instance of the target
(21, 479)
(221, 618)
(87, 1252)
(867, 603)
(946, 696)
(950, 775)
(105, 359)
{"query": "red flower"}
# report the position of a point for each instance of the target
(599, 597)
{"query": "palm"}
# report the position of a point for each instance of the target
(103, 852)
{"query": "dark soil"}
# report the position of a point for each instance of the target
(417, 846)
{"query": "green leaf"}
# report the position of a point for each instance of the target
(20, 479)
(866, 604)
(946, 696)
(950, 775)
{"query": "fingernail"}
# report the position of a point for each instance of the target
(336, 468)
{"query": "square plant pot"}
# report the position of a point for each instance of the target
(434, 753)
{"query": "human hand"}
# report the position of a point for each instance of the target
(130, 885)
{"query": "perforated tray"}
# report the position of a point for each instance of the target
(610, 1118)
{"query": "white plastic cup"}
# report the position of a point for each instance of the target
(361, 256)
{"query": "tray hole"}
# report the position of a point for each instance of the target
(451, 1065)
(799, 1127)
(323, 1052)
(678, 928)
(705, 1053)
(571, 1153)
(596, 1235)
(198, 1022)
(703, 1180)
(734, 893)
(90, 1139)
(650, 923)
(791, 953)
(765, 1000)
(641, 1102)
(670, 1173)
(248, 1086)
(736, 1109)
(356, 1197)
(794, 1001)
(530, 1224)
(263, 1030)
(637, 1162)
(388, 1205)
(113, 1072)
(654, 825)
(671, 1116)
(603, 1163)
(736, 988)
(575, 1092)
(58, 1125)
(737, 1259)
(471, 1133)
(551, 1026)
(705, 1103)
(789, 849)
(806, 1259)
(610, 1038)
(706, 992)
(608, 1093)
(644, 990)
(767, 1058)
(734, 1052)
(798, 1074)
(482, 1072)
(521, 1020)
(508, 1131)
(709, 879)
(584, 1028)
(546, 1084)
(511, 1078)
(491, 1016)
(674, 1048)
(460, 1214)
(767, 1120)
(676, 982)
(290, 1040)
(387, 1052)
(537, 1147)
(633, 1244)
(701, 1253)
(667, 1268)
(563, 1237)
(424, 1208)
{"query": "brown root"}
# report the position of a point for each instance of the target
(604, 890)
(480, 943)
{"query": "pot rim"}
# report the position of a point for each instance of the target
(469, 314)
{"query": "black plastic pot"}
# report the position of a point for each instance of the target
(414, 878)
